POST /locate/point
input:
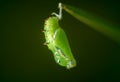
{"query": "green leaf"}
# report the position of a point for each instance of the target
(94, 22)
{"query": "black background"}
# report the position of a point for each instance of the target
(24, 58)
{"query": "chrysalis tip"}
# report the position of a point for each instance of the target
(59, 16)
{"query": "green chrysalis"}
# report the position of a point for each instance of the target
(57, 41)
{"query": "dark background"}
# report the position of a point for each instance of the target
(24, 58)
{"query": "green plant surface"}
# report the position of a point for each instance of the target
(94, 22)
